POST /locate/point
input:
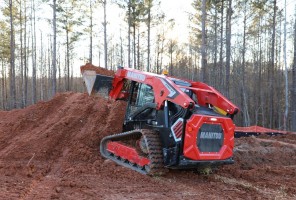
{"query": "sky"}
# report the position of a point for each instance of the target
(178, 10)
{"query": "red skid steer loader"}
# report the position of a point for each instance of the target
(169, 122)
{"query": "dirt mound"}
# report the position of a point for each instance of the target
(51, 151)
(58, 136)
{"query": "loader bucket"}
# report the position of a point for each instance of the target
(97, 83)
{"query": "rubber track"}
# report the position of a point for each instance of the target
(154, 147)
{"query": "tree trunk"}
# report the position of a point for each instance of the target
(91, 32)
(286, 71)
(293, 88)
(246, 118)
(228, 48)
(138, 49)
(49, 72)
(171, 57)
(121, 50)
(129, 35)
(162, 48)
(260, 99)
(54, 56)
(157, 54)
(3, 86)
(33, 28)
(67, 61)
(25, 84)
(220, 76)
(22, 55)
(204, 43)
(272, 66)
(148, 36)
(215, 43)
(12, 60)
(134, 46)
(105, 36)
(42, 63)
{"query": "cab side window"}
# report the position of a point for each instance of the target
(142, 95)
(145, 95)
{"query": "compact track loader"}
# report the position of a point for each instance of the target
(169, 122)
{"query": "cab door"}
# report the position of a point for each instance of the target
(141, 106)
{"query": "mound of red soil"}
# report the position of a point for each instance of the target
(56, 137)
(51, 151)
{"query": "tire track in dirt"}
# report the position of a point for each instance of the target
(266, 192)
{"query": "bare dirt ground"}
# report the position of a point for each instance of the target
(51, 151)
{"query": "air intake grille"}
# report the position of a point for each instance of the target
(210, 138)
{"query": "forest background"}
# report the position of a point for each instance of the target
(243, 48)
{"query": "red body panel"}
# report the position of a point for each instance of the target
(190, 148)
(127, 153)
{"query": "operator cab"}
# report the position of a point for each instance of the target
(141, 105)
